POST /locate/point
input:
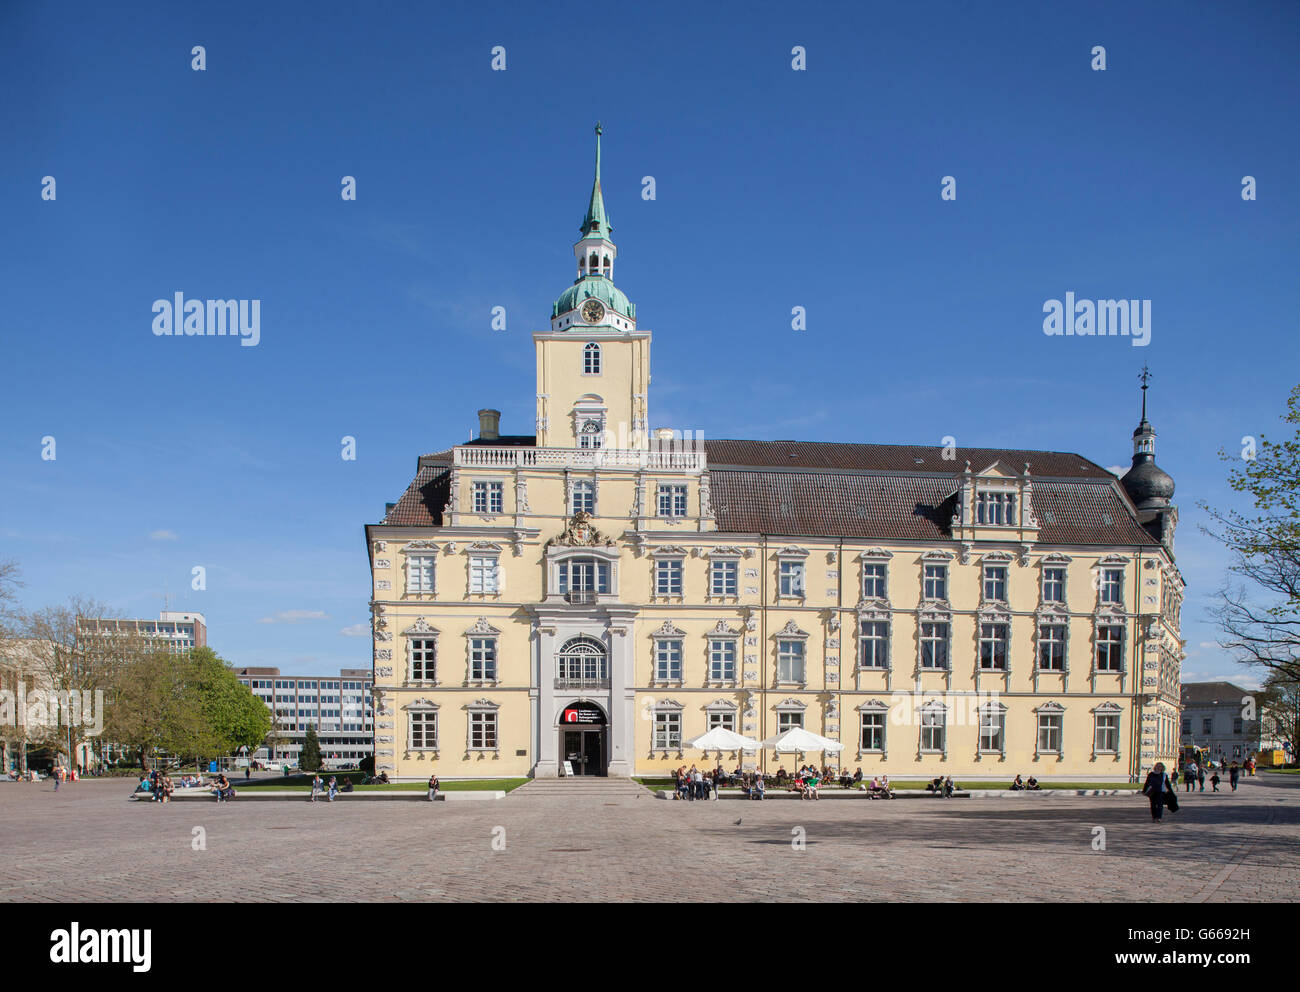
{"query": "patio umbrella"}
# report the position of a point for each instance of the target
(798, 739)
(722, 739)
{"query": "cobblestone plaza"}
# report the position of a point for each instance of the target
(615, 842)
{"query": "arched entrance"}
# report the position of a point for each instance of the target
(583, 739)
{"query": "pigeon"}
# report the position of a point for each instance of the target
(738, 821)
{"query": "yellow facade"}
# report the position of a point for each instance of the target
(503, 609)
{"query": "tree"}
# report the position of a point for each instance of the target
(309, 760)
(1279, 710)
(1261, 625)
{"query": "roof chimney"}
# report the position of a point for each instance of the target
(489, 423)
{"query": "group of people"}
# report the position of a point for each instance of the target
(1020, 785)
(330, 788)
(158, 786)
(941, 786)
(1194, 774)
(691, 784)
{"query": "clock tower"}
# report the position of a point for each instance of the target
(593, 365)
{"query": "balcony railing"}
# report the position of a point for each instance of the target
(583, 598)
(581, 683)
(484, 456)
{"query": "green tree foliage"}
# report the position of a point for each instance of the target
(1259, 619)
(309, 760)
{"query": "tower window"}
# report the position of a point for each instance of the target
(591, 359)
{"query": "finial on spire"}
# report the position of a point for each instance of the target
(1145, 376)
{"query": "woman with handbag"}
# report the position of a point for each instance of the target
(1160, 791)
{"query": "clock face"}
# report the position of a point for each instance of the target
(593, 311)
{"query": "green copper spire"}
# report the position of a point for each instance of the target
(596, 223)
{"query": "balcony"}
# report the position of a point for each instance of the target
(483, 456)
(584, 597)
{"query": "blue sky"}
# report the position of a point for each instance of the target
(775, 188)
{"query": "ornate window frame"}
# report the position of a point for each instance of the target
(419, 549)
(667, 631)
(790, 632)
(1000, 711)
(722, 632)
(423, 630)
(667, 555)
(873, 556)
(422, 705)
(571, 490)
(483, 549)
(591, 350)
(482, 630)
(482, 706)
(874, 614)
(667, 707)
(937, 616)
(724, 707)
(876, 708)
(996, 559)
(728, 555)
(937, 558)
(790, 705)
(1000, 617)
(559, 554)
(1108, 708)
(1049, 708)
(792, 555)
(929, 708)
(1054, 560)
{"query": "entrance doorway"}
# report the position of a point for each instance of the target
(582, 739)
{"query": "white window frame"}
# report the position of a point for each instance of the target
(428, 661)
(671, 500)
(667, 573)
(485, 571)
(789, 651)
(666, 732)
(934, 718)
(1055, 724)
(478, 656)
(875, 714)
(792, 578)
(724, 569)
(992, 718)
(878, 635)
(587, 504)
(1110, 586)
(1044, 641)
(428, 714)
(665, 649)
(879, 584)
(591, 359)
(1047, 580)
(721, 646)
(993, 581)
(415, 584)
(944, 640)
(484, 716)
(1106, 625)
(990, 636)
(939, 580)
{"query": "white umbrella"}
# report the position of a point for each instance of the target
(722, 739)
(798, 739)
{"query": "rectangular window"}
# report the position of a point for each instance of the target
(668, 661)
(995, 509)
(489, 498)
(483, 731)
(1053, 585)
(1207, 725)
(933, 727)
(1106, 736)
(668, 731)
(934, 645)
(873, 582)
(936, 581)
(873, 644)
(727, 721)
(584, 498)
(791, 578)
(790, 661)
(483, 574)
(993, 727)
(995, 582)
(1049, 733)
(672, 501)
(873, 732)
(419, 574)
(722, 660)
(422, 659)
(668, 577)
(724, 578)
(1110, 648)
(424, 731)
(788, 720)
(1051, 647)
(483, 659)
(583, 575)
(1187, 725)
(1237, 725)
(993, 646)
(1112, 585)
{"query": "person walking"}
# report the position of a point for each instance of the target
(1200, 776)
(1234, 773)
(1214, 780)
(1160, 791)
(1189, 774)
(58, 776)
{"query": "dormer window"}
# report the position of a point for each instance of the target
(995, 509)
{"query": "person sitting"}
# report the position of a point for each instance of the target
(347, 785)
(757, 791)
(1032, 784)
(383, 778)
(948, 787)
(846, 780)
(935, 785)
(857, 775)
(221, 788)
(781, 775)
(1017, 785)
(680, 786)
(812, 783)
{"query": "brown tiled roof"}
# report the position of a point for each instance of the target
(872, 491)
(1212, 692)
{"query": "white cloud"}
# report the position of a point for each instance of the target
(295, 616)
(163, 535)
(356, 630)
(1116, 469)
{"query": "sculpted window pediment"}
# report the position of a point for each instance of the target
(481, 627)
(873, 706)
(1056, 558)
(791, 706)
(720, 629)
(998, 558)
(669, 629)
(421, 704)
(792, 552)
(417, 547)
(669, 551)
(791, 629)
(997, 471)
(937, 556)
(730, 551)
(421, 626)
(579, 533)
(722, 706)
(668, 706)
(483, 546)
(1107, 708)
(1051, 707)
(875, 554)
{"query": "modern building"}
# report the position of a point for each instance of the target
(178, 631)
(338, 708)
(593, 595)
(1219, 716)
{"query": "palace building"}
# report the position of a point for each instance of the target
(593, 595)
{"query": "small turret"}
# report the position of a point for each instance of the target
(1150, 487)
